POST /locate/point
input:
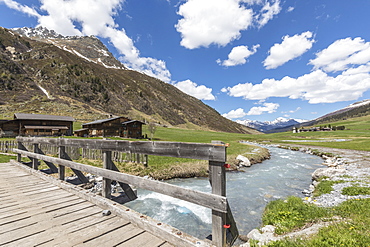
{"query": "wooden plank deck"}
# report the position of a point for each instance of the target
(34, 212)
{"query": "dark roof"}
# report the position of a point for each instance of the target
(27, 116)
(132, 121)
(101, 121)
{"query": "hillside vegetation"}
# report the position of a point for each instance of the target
(89, 91)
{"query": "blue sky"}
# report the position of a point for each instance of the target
(248, 59)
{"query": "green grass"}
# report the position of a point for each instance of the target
(6, 158)
(356, 190)
(292, 213)
(352, 231)
(325, 187)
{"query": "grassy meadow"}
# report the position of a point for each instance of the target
(356, 134)
(351, 226)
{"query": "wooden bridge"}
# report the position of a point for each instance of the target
(39, 210)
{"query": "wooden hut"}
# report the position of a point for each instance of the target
(132, 129)
(25, 124)
(116, 126)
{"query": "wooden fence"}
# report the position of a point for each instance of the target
(76, 152)
(7, 146)
(224, 230)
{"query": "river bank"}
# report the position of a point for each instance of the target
(347, 170)
(200, 168)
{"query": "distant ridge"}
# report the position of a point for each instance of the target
(270, 125)
(357, 109)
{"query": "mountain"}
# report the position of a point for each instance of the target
(89, 48)
(270, 125)
(44, 72)
(357, 109)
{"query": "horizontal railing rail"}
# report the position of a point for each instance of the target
(224, 229)
(201, 151)
(204, 199)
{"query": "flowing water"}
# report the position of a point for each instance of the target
(286, 173)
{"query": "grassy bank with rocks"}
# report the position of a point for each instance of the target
(335, 211)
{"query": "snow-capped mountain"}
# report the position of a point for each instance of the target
(89, 48)
(269, 125)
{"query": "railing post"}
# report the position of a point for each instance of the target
(80, 175)
(218, 182)
(62, 169)
(21, 147)
(35, 162)
(107, 164)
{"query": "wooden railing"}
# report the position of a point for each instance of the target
(224, 230)
(76, 152)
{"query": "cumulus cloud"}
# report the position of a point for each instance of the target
(268, 12)
(316, 87)
(94, 17)
(20, 7)
(200, 92)
(207, 22)
(342, 54)
(349, 56)
(291, 47)
(234, 114)
(238, 55)
(267, 107)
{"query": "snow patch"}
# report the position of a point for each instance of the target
(44, 91)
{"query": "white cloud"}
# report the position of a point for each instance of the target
(291, 47)
(238, 55)
(94, 17)
(350, 56)
(19, 7)
(267, 107)
(268, 12)
(316, 87)
(342, 54)
(207, 22)
(293, 111)
(200, 92)
(290, 9)
(251, 2)
(234, 114)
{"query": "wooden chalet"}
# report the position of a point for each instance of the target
(25, 124)
(116, 126)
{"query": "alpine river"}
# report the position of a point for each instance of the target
(286, 173)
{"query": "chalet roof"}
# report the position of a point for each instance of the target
(131, 121)
(101, 121)
(27, 116)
